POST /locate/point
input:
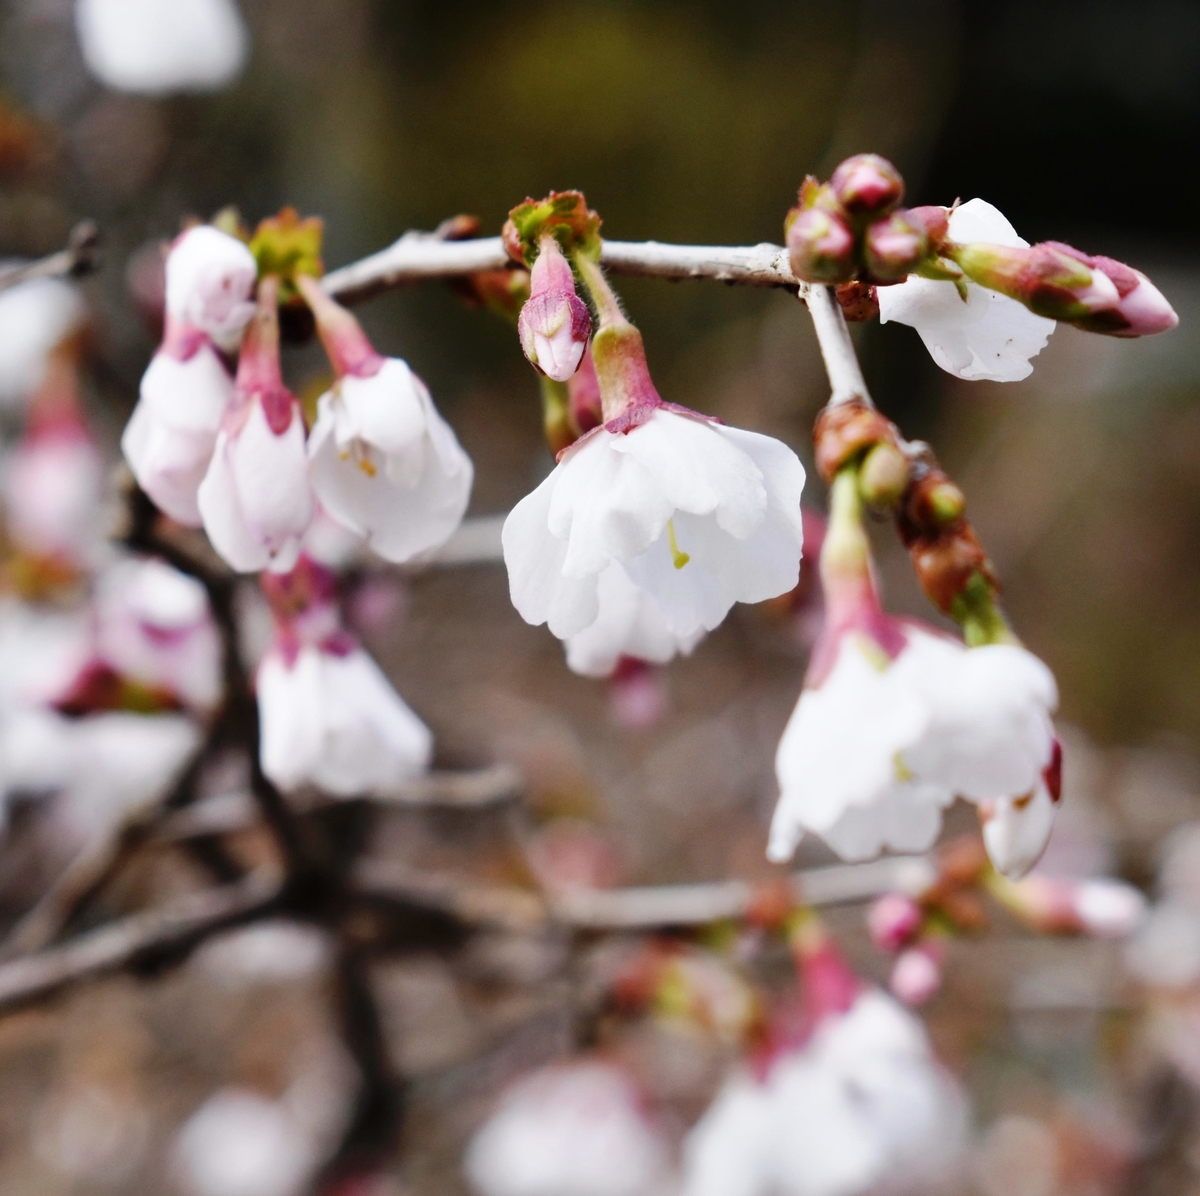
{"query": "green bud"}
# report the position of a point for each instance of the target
(883, 476)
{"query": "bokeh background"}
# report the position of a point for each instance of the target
(688, 121)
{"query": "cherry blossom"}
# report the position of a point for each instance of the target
(36, 317)
(853, 1102)
(329, 717)
(384, 462)
(577, 1129)
(986, 335)
(151, 48)
(255, 498)
(698, 515)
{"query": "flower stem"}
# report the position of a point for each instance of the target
(604, 298)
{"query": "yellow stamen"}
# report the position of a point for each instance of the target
(679, 558)
(902, 770)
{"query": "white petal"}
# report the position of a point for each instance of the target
(35, 316)
(730, 1150)
(1017, 829)
(841, 747)
(221, 512)
(629, 623)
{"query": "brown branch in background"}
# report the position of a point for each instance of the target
(141, 941)
(78, 257)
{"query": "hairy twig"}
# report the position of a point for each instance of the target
(78, 257)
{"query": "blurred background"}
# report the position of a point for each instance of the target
(687, 121)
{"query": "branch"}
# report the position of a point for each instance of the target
(837, 349)
(141, 940)
(419, 256)
(79, 257)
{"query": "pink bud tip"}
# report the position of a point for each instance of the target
(894, 247)
(1141, 304)
(893, 920)
(867, 185)
(554, 328)
(820, 247)
(917, 974)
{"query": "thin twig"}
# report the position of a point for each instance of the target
(140, 940)
(78, 257)
(419, 256)
(837, 349)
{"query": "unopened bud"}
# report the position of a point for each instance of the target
(554, 324)
(946, 565)
(845, 430)
(820, 246)
(935, 220)
(1051, 279)
(883, 478)
(1142, 309)
(867, 185)
(893, 920)
(1100, 908)
(893, 247)
(917, 973)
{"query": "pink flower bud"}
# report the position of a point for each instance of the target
(867, 185)
(917, 974)
(210, 280)
(1096, 294)
(894, 247)
(820, 247)
(554, 324)
(1101, 908)
(893, 920)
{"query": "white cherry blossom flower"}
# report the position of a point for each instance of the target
(989, 336)
(332, 719)
(152, 48)
(384, 462)
(1016, 828)
(35, 316)
(629, 623)
(329, 717)
(154, 626)
(896, 720)
(699, 515)
(862, 1107)
(255, 499)
(53, 488)
(576, 1129)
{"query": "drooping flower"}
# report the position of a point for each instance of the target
(987, 335)
(54, 481)
(255, 499)
(697, 514)
(384, 462)
(329, 717)
(554, 324)
(577, 1129)
(186, 389)
(151, 48)
(896, 720)
(852, 1102)
(36, 316)
(153, 625)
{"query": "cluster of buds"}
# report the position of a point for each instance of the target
(916, 929)
(853, 228)
(853, 232)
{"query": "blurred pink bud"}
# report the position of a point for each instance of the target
(554, 324)
(917, 973)
(821, 247)
(894, 247)
(638, 697)
(568, 854)
(1101, 908)
(893, 920)
(867, 185)
(255, 499)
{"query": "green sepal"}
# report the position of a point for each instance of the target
(564, 215)
(976, 612)
(287, 247)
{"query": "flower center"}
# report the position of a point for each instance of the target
(362, 454)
